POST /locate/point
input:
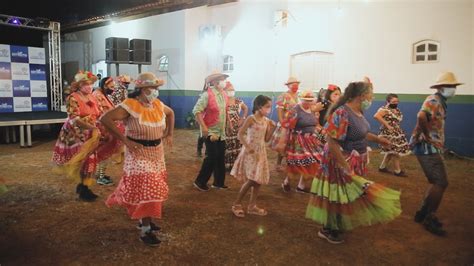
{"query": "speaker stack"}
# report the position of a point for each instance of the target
(116, 50)
(140, 52)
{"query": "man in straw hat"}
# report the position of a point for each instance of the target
(428, 144)
(211, 114)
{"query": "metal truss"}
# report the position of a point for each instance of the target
(53, 51)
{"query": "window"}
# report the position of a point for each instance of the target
(426, 51)
(163, 63)
(228, 63)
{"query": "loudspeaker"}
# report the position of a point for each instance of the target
(117, 56)
(140, 44)
(142, 57)
(116, 43)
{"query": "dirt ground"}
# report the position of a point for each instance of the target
(42, 223)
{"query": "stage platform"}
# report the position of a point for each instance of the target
(27, 119)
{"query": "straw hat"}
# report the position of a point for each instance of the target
(215, 75)
(446, 78)
(124, 79)
(307, 95)
(148, 79)
(82, 76)
(292, 80)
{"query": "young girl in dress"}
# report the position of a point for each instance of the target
(251, 165)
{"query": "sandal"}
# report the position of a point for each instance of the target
(256, 211)
(238, 211)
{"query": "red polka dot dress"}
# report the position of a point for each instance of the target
(143, 187)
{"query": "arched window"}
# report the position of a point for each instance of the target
(228, 63)
(163, 63)
(426, 51)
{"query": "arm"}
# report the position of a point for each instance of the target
(118, 113)
(380, 140)
(200, 106)
(422, 121)
(335, 150)
(270, 129)
(280, 115)
(245, 109)
(379, 117)
(248, 123)
(168, 136)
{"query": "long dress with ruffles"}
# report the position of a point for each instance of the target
(232, 143)
(396, 136)
(285, 102)
(72, 137)
(253, 166)
(143, 187)
(341, 201)
(304, 148)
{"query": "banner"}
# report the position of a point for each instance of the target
(23, 86)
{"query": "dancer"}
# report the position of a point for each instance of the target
(428, 146)
(76, 148)
(211, 114)
(251, 165)
(232, 144)
(143, 187)
(303, 153)
(390, 118)
(341, 199)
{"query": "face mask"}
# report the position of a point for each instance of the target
(153, 95)
(448, 92)
(365, 104)
(294, 87)
(86, 89)
(393, 105)
(222, 84)
(231, 93)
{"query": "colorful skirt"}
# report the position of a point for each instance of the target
(143, 187)
(340, 201)
(232, 148)
(399, 144)
(303, 154)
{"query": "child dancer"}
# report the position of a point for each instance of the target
(251, 165)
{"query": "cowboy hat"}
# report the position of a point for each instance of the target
(124, 79)
(446, 78)
(307, 95)
(148, 79)
(292, 80)
(215, 75)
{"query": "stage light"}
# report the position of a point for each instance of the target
(14, 21)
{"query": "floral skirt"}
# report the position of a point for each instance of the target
(303, 154)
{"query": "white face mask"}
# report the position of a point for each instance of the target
(153, 95)
(448, 92)
(222, 84)
(231, 93)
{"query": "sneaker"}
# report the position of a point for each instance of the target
(432, 227)
(401, 173)
(331, 236)
(200, 187)
(150, 239)
(301, 190)
(153, 227)
(104, 181)
(420, 217)
(218, 187)
(286, 187)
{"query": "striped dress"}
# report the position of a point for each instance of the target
(143, 187)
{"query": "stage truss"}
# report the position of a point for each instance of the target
(53, 51)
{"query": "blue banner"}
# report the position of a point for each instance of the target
(39, 104)
(19, 54)
(37, 72)
(21, 88)
(6, 105)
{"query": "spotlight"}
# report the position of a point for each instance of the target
(14, 21)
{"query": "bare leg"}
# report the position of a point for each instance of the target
(243, 191)
(254, 194)
(396, 164)
(385, 161)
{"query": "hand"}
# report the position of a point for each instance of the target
(384, 142)
(133, 146)
(168, 140)
(271, 123)
(205, 132)
(317, 107)
(241, 121)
